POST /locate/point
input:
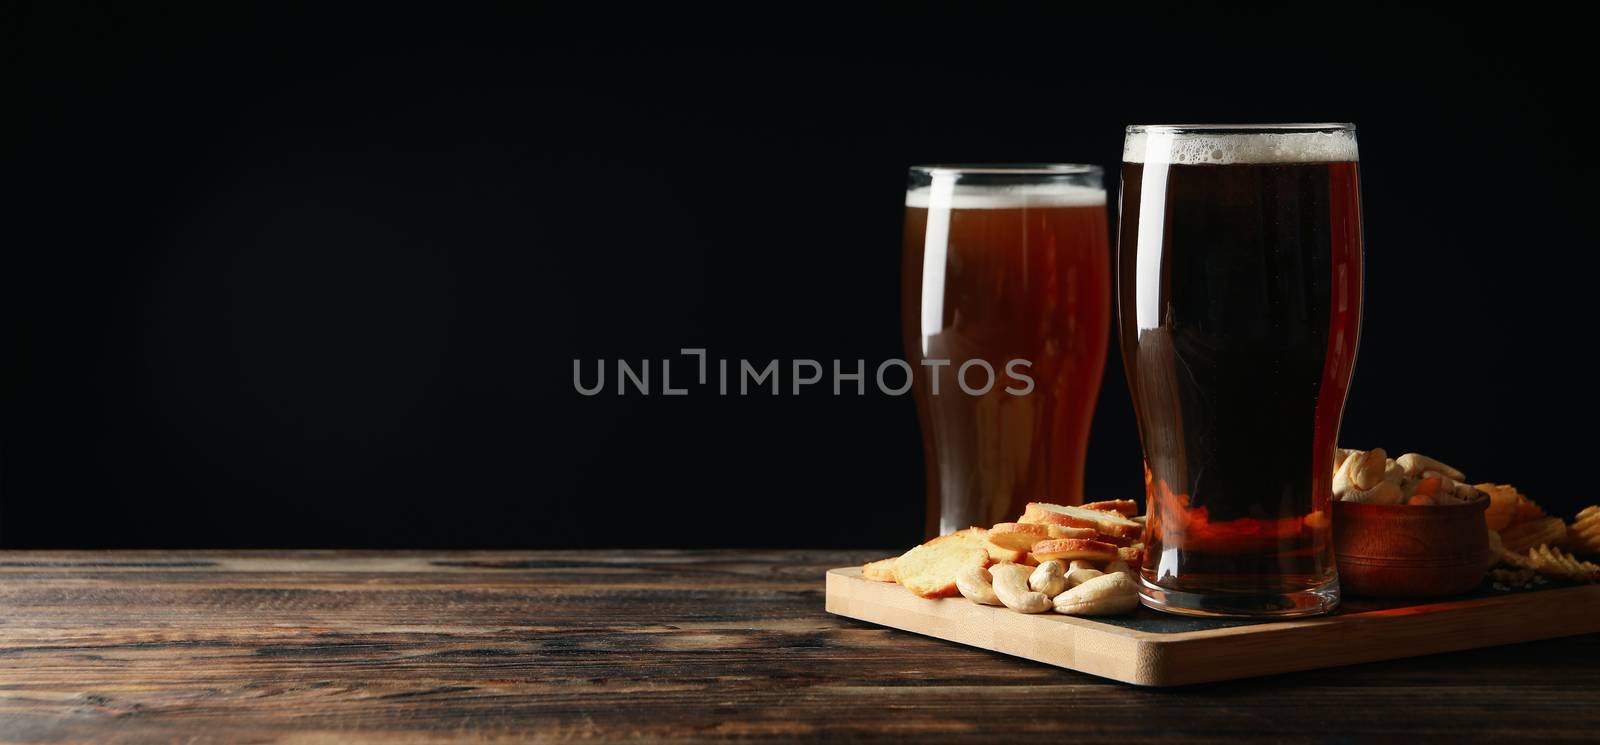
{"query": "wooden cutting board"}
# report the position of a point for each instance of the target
(1159, 649)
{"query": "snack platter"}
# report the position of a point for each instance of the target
(1457, 566)
(1158, 649)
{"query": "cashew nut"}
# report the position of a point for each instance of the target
(1416, 463)
(1393, 471)
(1107, 595)
(1117, 566)
(1341, 478)
(976, 585)
(1081, 571)
(1011, 587)
(1365, 470)
(1412, 478)
(1386, 492)
(1049, 578)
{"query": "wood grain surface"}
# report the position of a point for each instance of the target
(333, 647)
(1209, 650)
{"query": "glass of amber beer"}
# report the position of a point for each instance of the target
(1239, 274)
(1006, 313)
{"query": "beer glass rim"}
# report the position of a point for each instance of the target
(1011, 169)
(1276, 128)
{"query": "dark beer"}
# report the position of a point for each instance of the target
(1010, 267)
(1239, 297)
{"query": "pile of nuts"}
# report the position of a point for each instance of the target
(1074, 559)
(1078, 589)
(1372, 477)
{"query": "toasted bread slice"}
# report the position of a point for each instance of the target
(930, 570)
(1109, 522)
(1127, 507)
(1520, 537)
(1022, 536)
(998, 553)
(881, 570)
(1018, 536)
(1068, 549)
(1133, 555)
(1116, 540)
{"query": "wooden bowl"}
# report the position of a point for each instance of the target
(1396, 550)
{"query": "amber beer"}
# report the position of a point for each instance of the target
(1009, 266)
(1239, 274)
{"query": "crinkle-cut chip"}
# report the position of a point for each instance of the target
(1068, 549)
(1556, 563)
(1496, 548)
(1522, 536)
(1502, 504)
(881, 570)
(1127, 507)
(1104, 521)
(1527, 509)
(1508, 507)
(1583, 536)
(1019, 536)
(930, 570)
(998, 553)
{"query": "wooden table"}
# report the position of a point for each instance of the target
(326, 647)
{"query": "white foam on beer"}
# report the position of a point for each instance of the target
(970, 197)
(1225, 148)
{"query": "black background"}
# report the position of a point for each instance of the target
(279, 278)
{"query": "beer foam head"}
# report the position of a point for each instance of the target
(1015, 196)
(1221, 145)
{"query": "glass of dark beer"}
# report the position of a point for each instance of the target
(1239, 270)
(1006, 313)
